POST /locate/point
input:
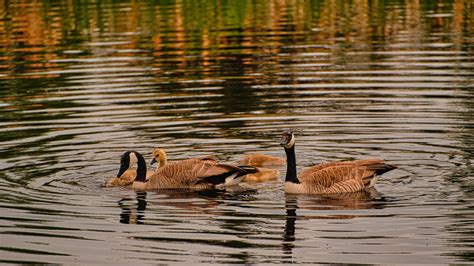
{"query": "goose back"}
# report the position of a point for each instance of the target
(344, 176)
(196, 173)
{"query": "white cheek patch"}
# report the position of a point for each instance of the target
(133, 159)
(292, 142)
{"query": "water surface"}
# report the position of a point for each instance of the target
(81, 82)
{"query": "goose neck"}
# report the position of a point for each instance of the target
(163, 160)
(141, 168)
(291, 175)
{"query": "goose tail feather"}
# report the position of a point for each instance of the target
(247, 169)
(381, 168)
(231, 177)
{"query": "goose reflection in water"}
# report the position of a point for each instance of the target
(368, 199)
(133, 214)
(181, 201)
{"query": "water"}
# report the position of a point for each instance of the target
(81, 82)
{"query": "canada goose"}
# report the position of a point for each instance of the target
(128, 176)
(261, 160)
(192, 173)
(263, 163)
(331, 177)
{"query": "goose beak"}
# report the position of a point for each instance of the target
(153, 161)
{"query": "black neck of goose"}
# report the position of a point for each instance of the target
(141, 168)
(291, 166)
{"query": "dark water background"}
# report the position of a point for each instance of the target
(83, 81)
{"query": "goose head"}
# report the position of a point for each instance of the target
(287, 139)
(128, 159)
(159, 155)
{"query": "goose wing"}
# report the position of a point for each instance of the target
(308, 171)
(197, 171)
(345, 176)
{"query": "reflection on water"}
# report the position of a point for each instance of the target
(83, 81)
(329, 205)
(130, 214)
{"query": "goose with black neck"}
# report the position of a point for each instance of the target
(331, 177)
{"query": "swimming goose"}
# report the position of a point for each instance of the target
(331, 177)
(261, 160)
(192, 173)
(127, 178)
(262, 175)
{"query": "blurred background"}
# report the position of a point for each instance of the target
(83, 81)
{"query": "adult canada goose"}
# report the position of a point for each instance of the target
(192, 173)
(332, 177)
(128, 176)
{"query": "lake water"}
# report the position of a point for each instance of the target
(83, 81)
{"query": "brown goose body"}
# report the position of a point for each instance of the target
(331, 177)
(261, 160)
(339, 177)
(197, 173)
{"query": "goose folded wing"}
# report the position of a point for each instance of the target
(328, 174)
(334, 166)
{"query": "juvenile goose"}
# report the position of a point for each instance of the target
(262, 175)
(261, 160)
(159, 155)
(126, 178)
(332, 177)
(192, 173)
